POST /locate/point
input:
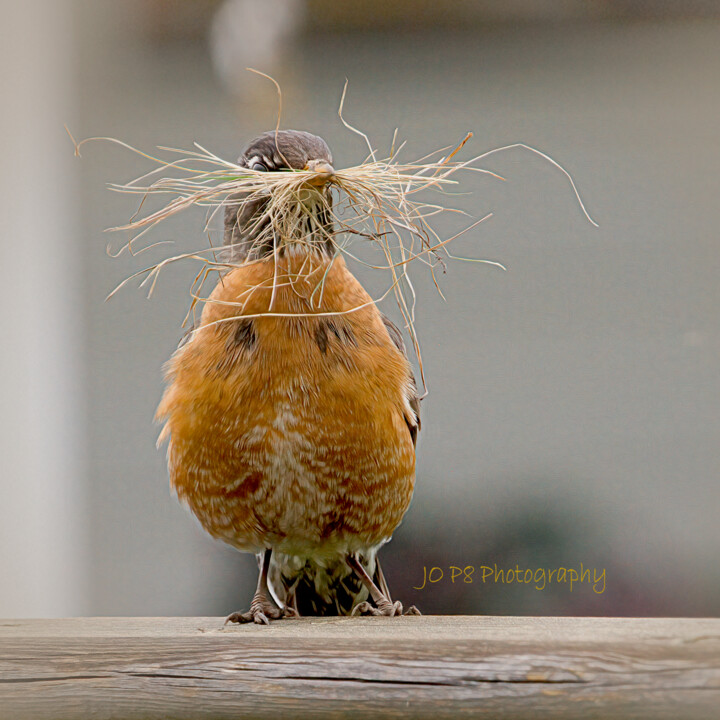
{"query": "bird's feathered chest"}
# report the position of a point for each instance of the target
(288, 405)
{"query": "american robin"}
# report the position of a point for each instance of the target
(292, 412)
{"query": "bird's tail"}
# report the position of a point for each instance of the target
(321, 586)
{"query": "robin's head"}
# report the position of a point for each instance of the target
(288, 150)
(246, 223)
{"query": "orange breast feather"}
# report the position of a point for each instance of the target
(289, 431)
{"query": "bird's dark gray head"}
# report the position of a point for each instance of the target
(286, 150)
(272, 151)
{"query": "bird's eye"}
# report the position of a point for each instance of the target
(259, 167)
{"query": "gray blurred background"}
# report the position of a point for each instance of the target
(572, 413)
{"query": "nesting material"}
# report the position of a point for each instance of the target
(384, 201)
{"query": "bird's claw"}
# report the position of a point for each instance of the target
(385, 608)
(261, 612)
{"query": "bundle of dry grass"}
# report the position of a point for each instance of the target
(382, 200)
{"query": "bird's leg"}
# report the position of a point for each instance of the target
(261, 609)
(383, 603)
(380, 580)
(291, 608)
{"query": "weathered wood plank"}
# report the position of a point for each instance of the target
(431, 666)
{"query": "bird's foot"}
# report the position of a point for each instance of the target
(384, 607)
(261, 612)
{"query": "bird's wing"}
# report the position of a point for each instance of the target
(413, 397)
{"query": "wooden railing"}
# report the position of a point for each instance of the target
(428, 667)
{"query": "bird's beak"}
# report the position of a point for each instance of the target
(324, 172)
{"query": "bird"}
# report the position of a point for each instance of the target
(292, 413)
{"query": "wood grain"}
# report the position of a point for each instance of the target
(425, 667)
